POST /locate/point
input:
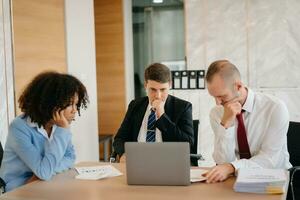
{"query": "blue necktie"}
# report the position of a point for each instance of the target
(151, 127)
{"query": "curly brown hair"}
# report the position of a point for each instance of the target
(49, 92)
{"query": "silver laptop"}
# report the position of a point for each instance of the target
(163, 163)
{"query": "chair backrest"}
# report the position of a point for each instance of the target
(293, 141)
(194, 161)
(1, 153)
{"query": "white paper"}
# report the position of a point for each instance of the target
(97, 172)
(193, 83)
(91, 176)
(196, 175)
(184, 83)
(176, 83)
(264, 181)
(201, 82)
(261, 175)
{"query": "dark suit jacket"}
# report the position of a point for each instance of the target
(176, 124)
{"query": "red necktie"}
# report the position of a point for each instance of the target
(244, 150)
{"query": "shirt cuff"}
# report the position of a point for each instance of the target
(225, 133)
(237, 164)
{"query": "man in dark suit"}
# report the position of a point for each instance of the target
(158, 117)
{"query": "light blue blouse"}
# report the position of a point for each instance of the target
(28, 150)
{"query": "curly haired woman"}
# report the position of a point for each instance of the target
(39, 141)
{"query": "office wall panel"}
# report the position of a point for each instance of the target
(274, 43)
(109, 31)
(39, 39)
(7, 109)
(81, 62)
(260, 37)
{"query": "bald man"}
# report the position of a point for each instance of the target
(250, 128)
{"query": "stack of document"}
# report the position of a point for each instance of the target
(265, 181)
(97, 172)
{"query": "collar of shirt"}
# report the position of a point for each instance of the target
(149, 107)
(41, 129)
(148, 110)
(249, 103)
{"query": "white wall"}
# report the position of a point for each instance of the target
(81, 62)
(262, 38)
(7, 109)
(128, 45)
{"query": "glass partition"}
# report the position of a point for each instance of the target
(158, 36)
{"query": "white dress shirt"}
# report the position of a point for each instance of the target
(143, 130)
(41, 129)
(266, 121)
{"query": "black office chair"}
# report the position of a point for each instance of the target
(2, 183)
(293, 141)
(1, 153)
(194, 156)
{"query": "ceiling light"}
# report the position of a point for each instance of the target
(158, 1)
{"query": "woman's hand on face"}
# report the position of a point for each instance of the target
(60, 119)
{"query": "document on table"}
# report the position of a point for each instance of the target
(270, 181)
(196, 175)
(97, 172)
(261, 175)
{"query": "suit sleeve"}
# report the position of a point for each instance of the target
(123, 133)
(182, 130)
